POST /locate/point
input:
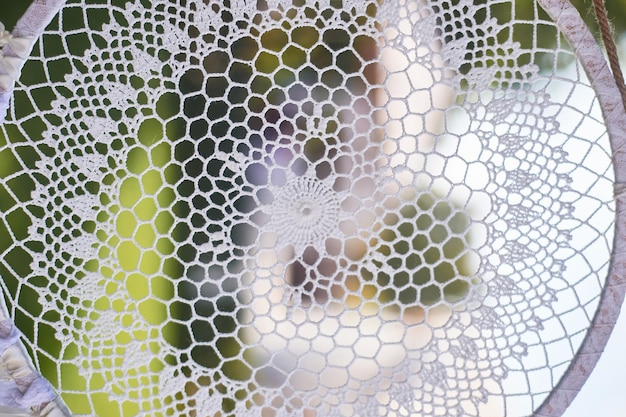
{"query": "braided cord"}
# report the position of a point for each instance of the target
(609, 44)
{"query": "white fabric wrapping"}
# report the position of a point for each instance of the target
(16, 47)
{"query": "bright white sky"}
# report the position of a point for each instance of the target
(603, 394)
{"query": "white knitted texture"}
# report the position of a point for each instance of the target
(303, 208)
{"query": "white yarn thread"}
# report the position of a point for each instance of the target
(21, 390)
(411, 155)
(16, 47)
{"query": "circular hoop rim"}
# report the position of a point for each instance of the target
(40, 13)
(589, 54)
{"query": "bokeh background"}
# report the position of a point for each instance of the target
(603, 393)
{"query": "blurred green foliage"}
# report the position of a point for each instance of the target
(415, 234)
(11, 10)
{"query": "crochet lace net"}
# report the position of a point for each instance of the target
(303, 208)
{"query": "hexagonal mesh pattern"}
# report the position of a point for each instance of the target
(331, 208)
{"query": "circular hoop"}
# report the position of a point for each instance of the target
(592, 60)
(590, 56)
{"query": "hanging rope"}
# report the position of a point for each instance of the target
(611, 49)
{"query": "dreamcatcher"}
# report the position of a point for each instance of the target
(293, 208)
